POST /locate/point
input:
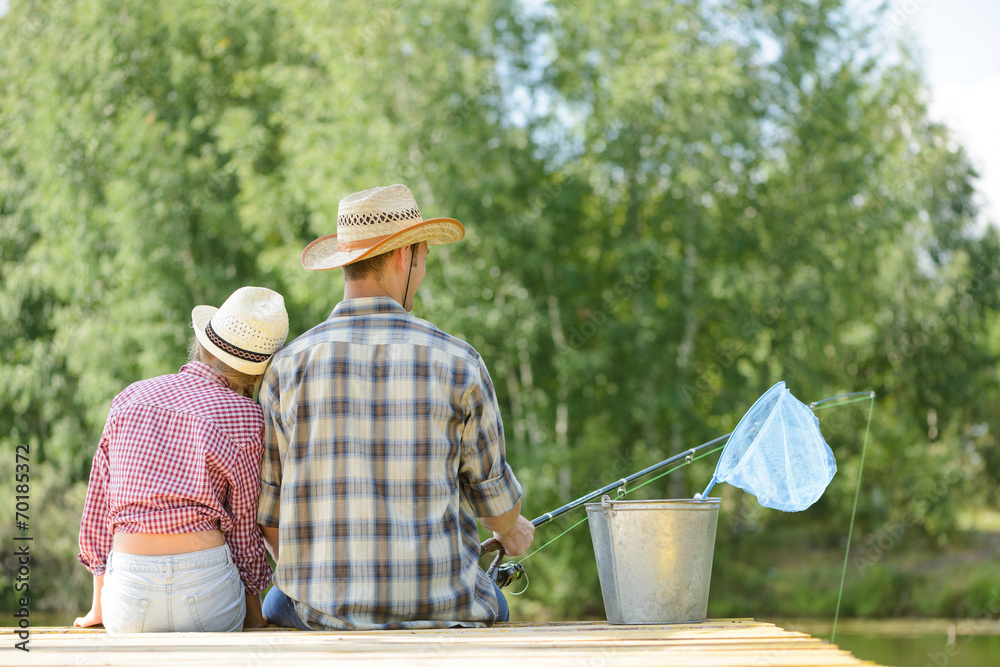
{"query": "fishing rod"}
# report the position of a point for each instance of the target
(624, 481)
(509, 572)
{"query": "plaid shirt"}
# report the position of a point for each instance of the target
(382, 443)
(179, 454)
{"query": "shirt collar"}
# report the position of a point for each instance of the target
(373, 305)
(202, 370)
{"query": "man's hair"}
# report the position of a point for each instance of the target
(240, 382)
(370, 267)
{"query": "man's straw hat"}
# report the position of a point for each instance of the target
(374, 222)
(249, 327)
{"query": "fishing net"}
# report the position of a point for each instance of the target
(777, 453)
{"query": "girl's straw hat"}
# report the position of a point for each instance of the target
(376, 221)
(251, 326)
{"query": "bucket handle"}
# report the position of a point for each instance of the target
(608, 506)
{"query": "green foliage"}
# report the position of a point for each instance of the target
(669, 207)
(891, 573)
(55, 582)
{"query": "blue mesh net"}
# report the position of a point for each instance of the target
(777, 453)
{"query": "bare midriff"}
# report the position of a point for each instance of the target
(163, 544)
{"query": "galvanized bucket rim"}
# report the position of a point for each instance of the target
(625, 505)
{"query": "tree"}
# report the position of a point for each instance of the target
(669, 207)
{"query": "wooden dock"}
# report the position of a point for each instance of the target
(713, 643)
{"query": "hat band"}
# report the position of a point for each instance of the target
(362, 243)
(238, 352)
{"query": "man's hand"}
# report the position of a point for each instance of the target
(517, 540)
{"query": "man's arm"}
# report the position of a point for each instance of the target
(511, 530)
(269, 500)
(270, 534)
(485, 475)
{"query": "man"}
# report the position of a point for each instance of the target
(382, 444)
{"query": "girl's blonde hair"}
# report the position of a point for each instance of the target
(241, 383)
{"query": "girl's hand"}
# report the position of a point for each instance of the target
(92, 618)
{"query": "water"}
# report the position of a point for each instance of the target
(912, 642)
(45, 619)
(969, 651)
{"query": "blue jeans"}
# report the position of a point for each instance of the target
(280, 609)
(503, 611)
(199, 591)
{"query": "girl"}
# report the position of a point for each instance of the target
(169, 526)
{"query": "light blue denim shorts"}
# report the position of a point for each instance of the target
(199, 591)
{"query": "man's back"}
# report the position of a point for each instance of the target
(383, 442)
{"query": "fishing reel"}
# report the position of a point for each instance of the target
(506, 574)
(501, 574)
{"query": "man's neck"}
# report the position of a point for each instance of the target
(369, 287)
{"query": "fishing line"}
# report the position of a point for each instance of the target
(542, 547)
(552, 540)
(687, 461)
(860, 396)
(854, 397)
(854, 510)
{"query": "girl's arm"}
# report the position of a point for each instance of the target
(94, 616)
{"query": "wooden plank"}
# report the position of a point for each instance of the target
(715, 643)
(503, 634)
(157, 641)
(524, 657)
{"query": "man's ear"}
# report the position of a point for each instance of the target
(400, 258)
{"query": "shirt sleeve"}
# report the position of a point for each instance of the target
(486, 479)
(275, 441)
(95, 535)
(245, 539)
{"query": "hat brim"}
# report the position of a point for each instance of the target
(200, 317)
(324, 253)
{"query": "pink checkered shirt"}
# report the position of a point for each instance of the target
(179, 454)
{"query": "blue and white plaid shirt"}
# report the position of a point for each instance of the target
(382, 443)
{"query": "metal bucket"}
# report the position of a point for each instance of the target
(654, 558)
